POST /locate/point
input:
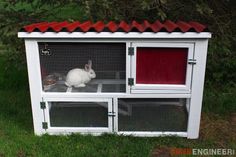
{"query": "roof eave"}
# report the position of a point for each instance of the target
(120, 35)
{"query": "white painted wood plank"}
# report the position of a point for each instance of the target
(160, 91)
(114, 35)
(35, 85)
(101, 81)
(75, 96)
(110, 123)
(127, 41)
(128, 67)
(69, 130)
(99, 90)
(197, 89)
(115, 109)
(152, 134)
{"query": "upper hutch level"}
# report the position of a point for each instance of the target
(161, 59)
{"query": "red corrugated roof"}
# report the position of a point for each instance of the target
(88, 26)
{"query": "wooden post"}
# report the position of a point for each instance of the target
(200, 54)
(35, 85)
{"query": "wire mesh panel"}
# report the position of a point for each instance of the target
(57, 59)
(152, 114)
(78, 114)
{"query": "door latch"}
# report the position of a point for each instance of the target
(111, 114)
(192, 61)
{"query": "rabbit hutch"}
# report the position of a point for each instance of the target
(137, 78)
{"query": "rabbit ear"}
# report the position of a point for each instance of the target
(87, 67)
(90, 63)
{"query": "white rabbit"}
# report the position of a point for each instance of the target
(79, 77)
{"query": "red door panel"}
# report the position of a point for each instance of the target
(161, 65)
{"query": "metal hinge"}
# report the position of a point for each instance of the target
(131, 51)
(130, 81)
(42, 105)
(111, 114)
(192, 61)
(44, 125)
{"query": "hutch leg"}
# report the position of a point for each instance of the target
(35, 84)
(200, 55)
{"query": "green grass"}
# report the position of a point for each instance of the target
(17, 137)
(221, 101)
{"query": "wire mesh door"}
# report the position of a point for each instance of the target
(108, 62)
(152, 115)
(84, 115)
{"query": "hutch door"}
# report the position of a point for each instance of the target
(162, 67)
(90, 115)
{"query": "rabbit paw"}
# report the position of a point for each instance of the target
(67, 84)
(80, 85)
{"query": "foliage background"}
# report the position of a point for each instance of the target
(219, 15)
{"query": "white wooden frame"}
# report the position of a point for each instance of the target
(155, 88)
(66, 130)
(127, 43)
(197, 88)
(35, 85)
(152, 134)
(200, 41)
(146, 133)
